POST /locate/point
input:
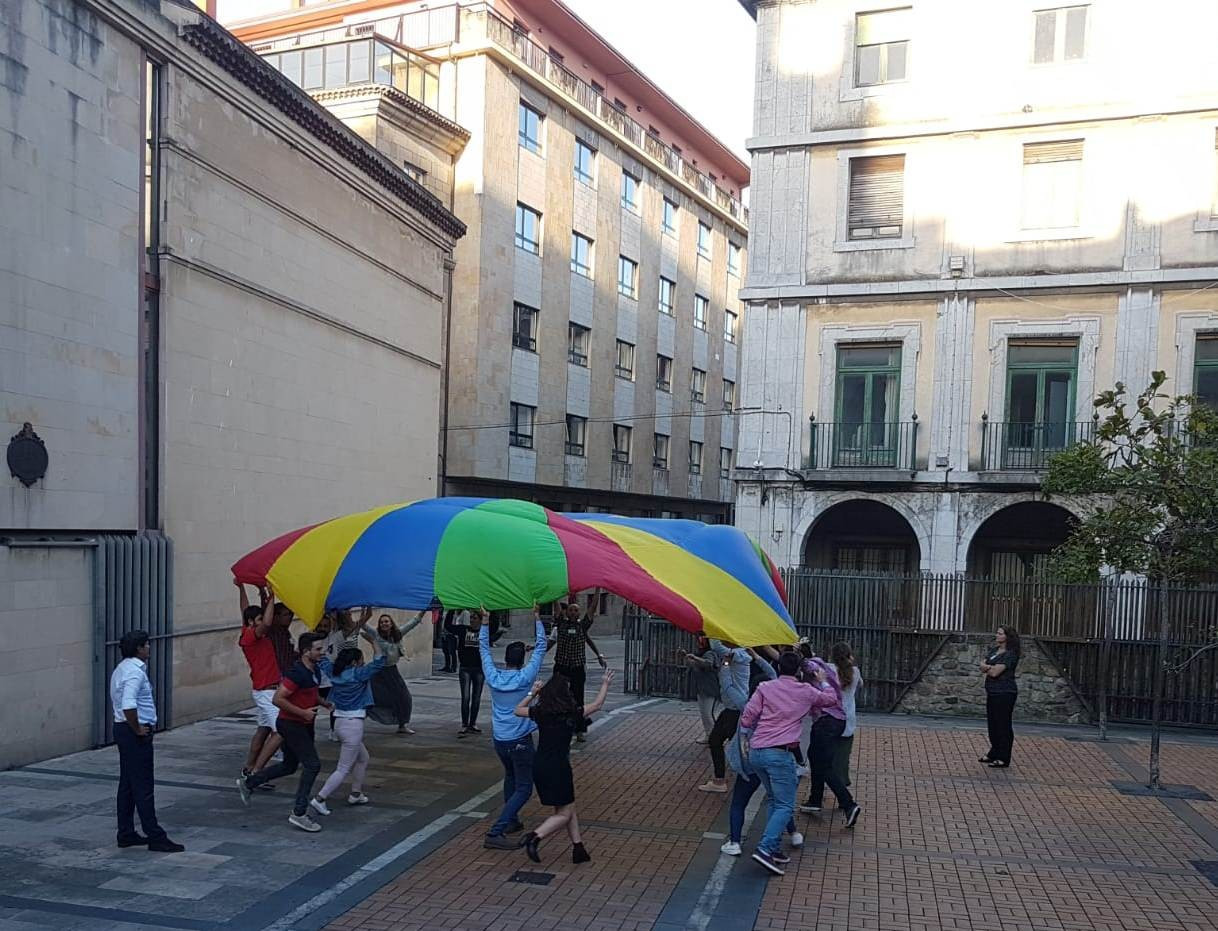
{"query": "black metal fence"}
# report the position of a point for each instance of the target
(1103, 637)
(858, 445)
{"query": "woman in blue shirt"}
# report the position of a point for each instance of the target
(351, 693)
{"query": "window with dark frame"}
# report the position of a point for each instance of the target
(585, 163)
(664, 373)
(733, 259)
(659, 451)
(697, 386)
(530, 128)
(630, 192)
(627, 277)
(695, 457)
(729, 395)
(578, 340)
(576, 430)
(704, 240)
(1205, 370)
(668, 219)
(876, 204)
(581, 255)
(521, 430)
(524, 327)
(725, 462)
(668, 292)
(729, 326)
(622, 437)
(624, 366)
(701, 310)
(528, 229)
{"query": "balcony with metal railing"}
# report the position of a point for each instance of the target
(854, 445)
(1010, 446)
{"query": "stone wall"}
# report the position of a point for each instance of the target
(952, 684)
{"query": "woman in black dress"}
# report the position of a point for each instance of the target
(557, 715)
(1000, 694)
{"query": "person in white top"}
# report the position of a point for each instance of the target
(134, 721)
(842, 656)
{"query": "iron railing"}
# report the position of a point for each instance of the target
(1014, 446)
(857, 445)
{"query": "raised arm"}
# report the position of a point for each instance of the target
(245, 602)
(766, 667)
(484, 652)
(522, 707)
(411, 625)
(599, 701)
(533, 666)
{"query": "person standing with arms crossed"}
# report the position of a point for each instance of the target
(570, 658)
(1001, 691)
(513, 735)
(134, 721)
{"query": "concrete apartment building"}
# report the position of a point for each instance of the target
(595, 322)
(221, 317)
(963, 228)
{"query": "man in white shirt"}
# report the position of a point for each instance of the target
(134, 722)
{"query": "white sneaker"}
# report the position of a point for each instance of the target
(319, 806)
(797, 839)
(304, 822)
(731, 848)
(358, 798)
(802, 771)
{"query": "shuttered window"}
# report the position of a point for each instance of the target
(1052, 184)
(877, 197)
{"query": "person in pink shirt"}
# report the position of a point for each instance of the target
(775, 713)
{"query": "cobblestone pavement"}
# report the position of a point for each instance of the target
(944, 843)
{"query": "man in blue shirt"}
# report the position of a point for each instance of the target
(134, 722)
(513, 735)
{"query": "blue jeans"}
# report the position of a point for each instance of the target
(517, 759)
(742, 790)
(776, 768)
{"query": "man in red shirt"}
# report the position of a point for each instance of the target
(259, 652)
(298, 702)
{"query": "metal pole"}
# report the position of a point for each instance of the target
(1156, 723)
(1109, 592)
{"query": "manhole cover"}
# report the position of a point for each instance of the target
(533, 879)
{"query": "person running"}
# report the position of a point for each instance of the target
(570, 658)
(259, 651)
(775, 713)
(352, 694)
(706, 684)
(851, 680)
(733, 667)
(465, 627)
(1001, 691)
(828, 723)
(513, 736)
(392, 702)
(298, 702)
(134, 721)
(557, 715)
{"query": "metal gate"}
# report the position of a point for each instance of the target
(653, 663)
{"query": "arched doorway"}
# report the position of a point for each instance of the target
(862, 536)
(1017, 542)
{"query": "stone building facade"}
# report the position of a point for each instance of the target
(945, 270)
(221, 311)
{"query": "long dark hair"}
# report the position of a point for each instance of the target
(394, 634)
(1013, 645)
(346, 657)
(843, 658)
(556, 697)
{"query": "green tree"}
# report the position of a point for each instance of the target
(1151, 479)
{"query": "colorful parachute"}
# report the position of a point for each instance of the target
(503, 553)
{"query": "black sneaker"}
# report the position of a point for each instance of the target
(499, 842)
(767, 860)
(514, 828)
(780, 858)
(810, 807)
(165, 845)
(853, 815)
(135, 840)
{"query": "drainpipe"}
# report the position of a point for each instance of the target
(442, 465)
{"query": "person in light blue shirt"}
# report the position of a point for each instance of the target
(733, 664)
(513, 735)
(134, 721)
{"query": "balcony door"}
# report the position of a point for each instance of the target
(868, 405)
(1041, 385)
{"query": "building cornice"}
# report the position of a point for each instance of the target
(422, 119)
(217, 44)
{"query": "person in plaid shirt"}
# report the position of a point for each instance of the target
(570, 637)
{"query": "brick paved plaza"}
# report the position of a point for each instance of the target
(944, 843)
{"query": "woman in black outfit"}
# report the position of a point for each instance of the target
(464, 627)
(557, 715)
(1001, 691)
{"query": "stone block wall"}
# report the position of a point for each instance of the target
(952, 684)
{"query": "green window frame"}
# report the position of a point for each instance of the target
(867, 405)
(1205, 370)
(1042, 383)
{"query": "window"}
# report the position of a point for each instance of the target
(530, 128)
(725, 462)
(881, 53)
(598, 88)
(668, 290)
(624, 367)
(419, 174)
(729, 326)
(576, 429)
(868, 402)
(1061, 35)
(876, 208)
(621, 442)
(1052, 184)
(1205, 370)
(701, 306)
(733, 259)
(524, 327)
(585, 163)
(1214, 202)
(620, 104)
(556, 56)
(664, 373)
(669, 221)
(729, 395)
(581, 255)
(697, 386)
(627, 278)
(704, 240)
(1040, 400)
(630, 192)
(578, 340)
(659, 451)
(528, 229)
(521, 433)
(695, 457)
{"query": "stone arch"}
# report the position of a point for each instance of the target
(862, 533)
(1013, 541)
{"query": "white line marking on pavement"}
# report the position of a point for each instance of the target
(704, 911)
